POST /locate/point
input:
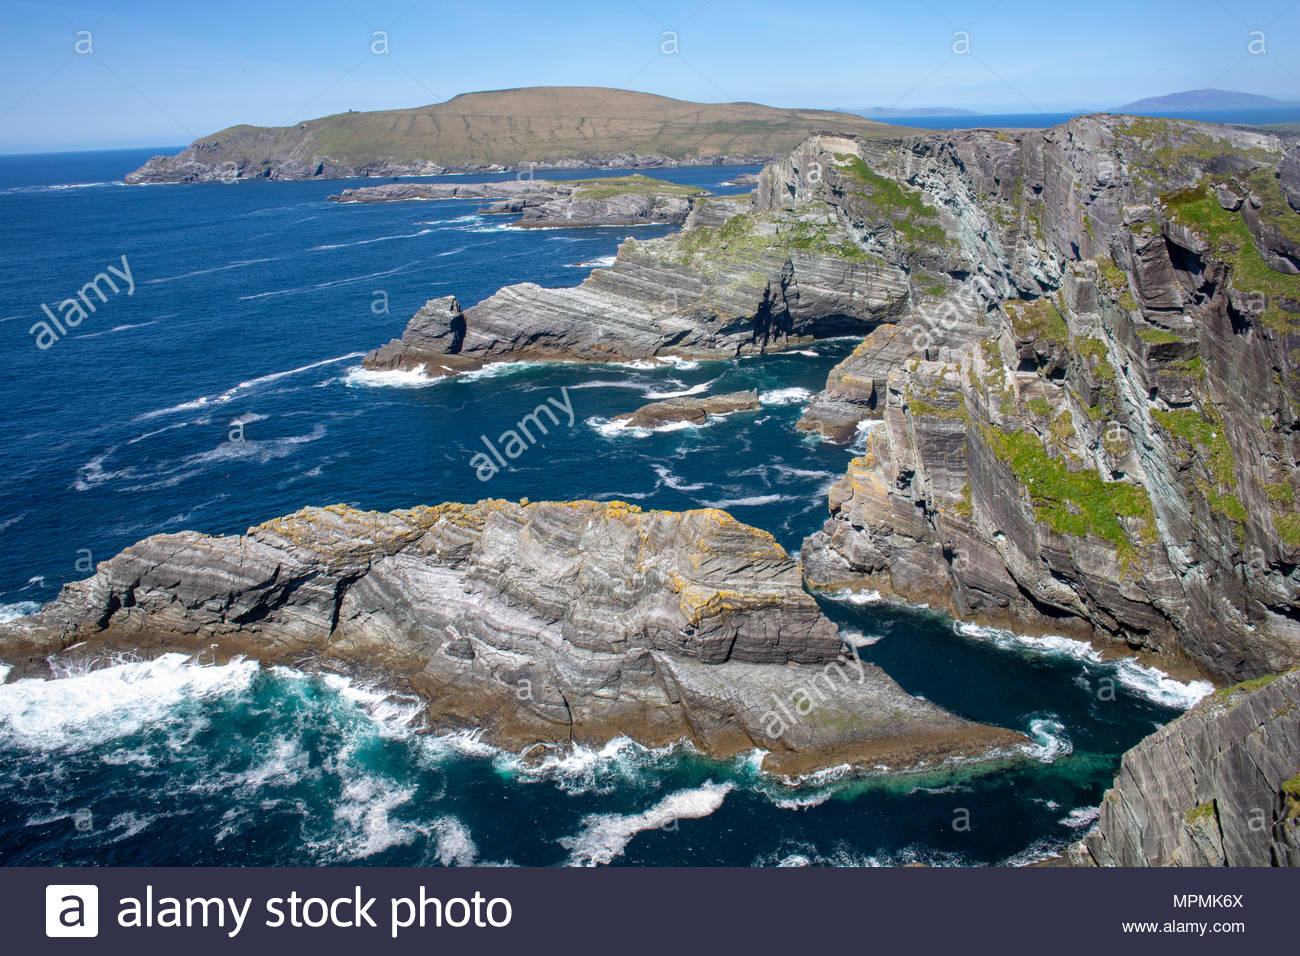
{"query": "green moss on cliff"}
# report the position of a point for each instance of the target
(1204, 431)
(910, 214)
(1231, 241)
(1203, 812)
(1037, 319)
(1073, 502)
(1158, 336)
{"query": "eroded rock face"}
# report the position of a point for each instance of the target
(543, 622)
(1220, 786)
(736, 280)
(1085, 419)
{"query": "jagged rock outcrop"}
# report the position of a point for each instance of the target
(1085, 418)
(695, 409)
(539, 622)
(731, 282)
(1219, 786)
(407, 192)
(613, 201)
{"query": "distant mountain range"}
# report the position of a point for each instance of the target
(881, 112)
(1200, 100)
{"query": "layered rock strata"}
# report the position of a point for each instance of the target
(736, 280)
(539, 623)
(1084, 419)
(1220, 786)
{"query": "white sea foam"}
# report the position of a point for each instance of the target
(1149, 682)
(364, 810)
(366, 242)
(1050, 740)
(855, 638)
(600, 262)
(10, 612)
(849, 596)
(670, 480)
(454, 845)
(1081, 818)
(239, 264)
(609, 429)
(605, 836)
(785, 396)
(680, 393)
(389, 378)
(243, 387)
(89, 707)
(749, 501)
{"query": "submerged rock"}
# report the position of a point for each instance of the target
(1220, 786)
(695, 410)
(546, 622)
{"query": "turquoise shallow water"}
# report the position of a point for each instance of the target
(252, 305)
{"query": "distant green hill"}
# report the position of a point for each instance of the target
(545, 125)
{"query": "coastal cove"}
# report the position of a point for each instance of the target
(228, 390)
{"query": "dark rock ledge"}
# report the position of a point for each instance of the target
(550, 622)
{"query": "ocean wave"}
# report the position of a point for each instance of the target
(609, 429)
(243, 387)
(849, 596)
(11, 612)
(605, 836)
(1149, 682)
(670, 480)
(855, 638)
(390, 378)
(237, 264)
(93, 473)
(1050, 740)
(1081, 818)
(749, 501)
(366, 242)
(85, 706)
(117, 328)
(330, 284)
(600, 262)
(785, 396)
(682, 393)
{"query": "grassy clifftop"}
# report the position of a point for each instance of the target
(534, 124)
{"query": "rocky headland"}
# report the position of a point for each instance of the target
(538, 623)
(541, 204)
(1220, 786)
(563, 127)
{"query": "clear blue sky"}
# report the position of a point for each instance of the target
(166, 73)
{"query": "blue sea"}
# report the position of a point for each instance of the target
(251, 308)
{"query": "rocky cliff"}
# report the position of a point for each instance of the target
(1084, 417)
(736, 280)
(1078, 372)
(1220, 786)
(538, 622)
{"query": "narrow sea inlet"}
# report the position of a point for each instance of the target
(227, 390)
